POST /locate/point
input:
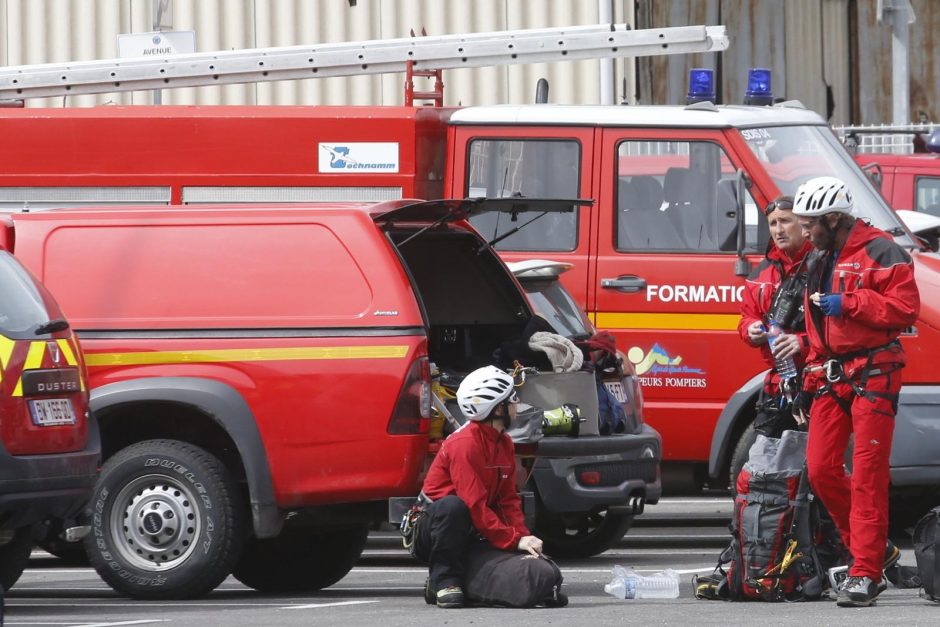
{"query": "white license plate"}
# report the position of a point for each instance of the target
(52, 411)
(616, 388)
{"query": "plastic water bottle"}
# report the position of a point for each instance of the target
(786, 367)
(627, 584)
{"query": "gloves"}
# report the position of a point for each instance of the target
(831, 304)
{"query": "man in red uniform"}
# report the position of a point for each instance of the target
(860, 296)
(774, 290)
(471, 486)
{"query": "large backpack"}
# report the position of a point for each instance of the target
(782, 542)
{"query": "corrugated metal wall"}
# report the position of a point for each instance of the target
(787, 37)
(874, 64)
(814, 47)
(47, 31)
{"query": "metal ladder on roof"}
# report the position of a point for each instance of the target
(421, 54)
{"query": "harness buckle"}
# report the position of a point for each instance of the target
(834, 372)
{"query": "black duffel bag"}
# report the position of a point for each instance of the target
(511, 579)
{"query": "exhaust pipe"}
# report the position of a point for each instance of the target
(74, 534)
(638, 503)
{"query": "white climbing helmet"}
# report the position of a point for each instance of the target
(822, 195)
(482, 390)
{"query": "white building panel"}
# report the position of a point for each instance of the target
(49, 31)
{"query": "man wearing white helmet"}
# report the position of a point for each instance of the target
(471, 487)
(860, 296)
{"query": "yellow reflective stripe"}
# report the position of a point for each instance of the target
(33, 360)
(66, 349)
(245, 354)
(667, 321)
(6, 351)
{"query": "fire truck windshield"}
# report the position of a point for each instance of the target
(794, 154)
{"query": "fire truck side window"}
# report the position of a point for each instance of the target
(677, 196)
(928, 195)
(530, 168)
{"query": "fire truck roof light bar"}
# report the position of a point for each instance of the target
(355, 58)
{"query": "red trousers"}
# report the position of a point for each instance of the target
(858, 502)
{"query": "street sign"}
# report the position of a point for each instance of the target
(156, 44)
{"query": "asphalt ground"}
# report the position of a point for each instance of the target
(385, 588)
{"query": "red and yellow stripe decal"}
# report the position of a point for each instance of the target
(34, 358)
(6, 351)
(666, 321)
(245, 354)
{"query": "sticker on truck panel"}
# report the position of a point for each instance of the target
(356, 157)
(656, 368)
(694, 293)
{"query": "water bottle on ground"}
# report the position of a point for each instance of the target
(786, 368)
(627, 584)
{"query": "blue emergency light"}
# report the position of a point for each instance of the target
(758, 91)
(701, 85)
(933, 142)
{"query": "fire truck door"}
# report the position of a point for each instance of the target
(667, 220)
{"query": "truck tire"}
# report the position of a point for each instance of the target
(14, 555)
(300, 560)
(739, 457)
(580, 535)
(167, 521)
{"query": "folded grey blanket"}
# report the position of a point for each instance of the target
(562, 352)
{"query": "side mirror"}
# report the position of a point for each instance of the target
(875, 174)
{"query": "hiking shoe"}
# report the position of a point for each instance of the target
(559, 600)
(859, 592)
(449, 598)
(892, 556)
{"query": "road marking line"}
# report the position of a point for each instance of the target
(123, 622)
(319, 605)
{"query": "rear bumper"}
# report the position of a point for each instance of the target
(36, 487)
(598, 471)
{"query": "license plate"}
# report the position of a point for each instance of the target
(616, 388)
(52, 411)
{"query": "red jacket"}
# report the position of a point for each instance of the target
(879, 298)
(758, 295)
(478, 464)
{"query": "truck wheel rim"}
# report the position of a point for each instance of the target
(155, 522)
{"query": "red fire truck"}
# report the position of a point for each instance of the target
(659, 258)
(903, 160)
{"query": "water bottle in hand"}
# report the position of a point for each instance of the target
(786, 367)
